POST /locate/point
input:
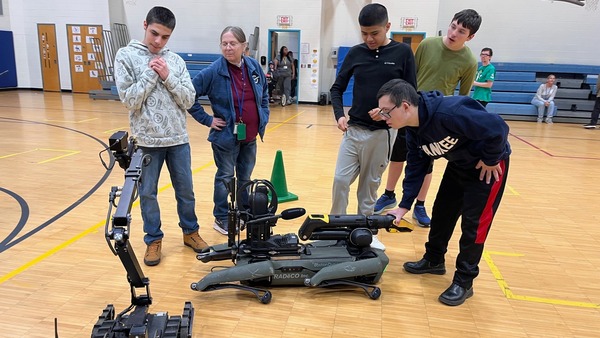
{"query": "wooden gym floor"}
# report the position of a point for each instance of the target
(539, 276)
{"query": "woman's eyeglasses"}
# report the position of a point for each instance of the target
(230, 44)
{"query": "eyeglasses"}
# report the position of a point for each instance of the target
(386, 114)
(482, 54)
(230, 44)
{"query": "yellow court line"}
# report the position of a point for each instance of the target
(284, 122)
(487, 255)
(70, 152)
(54, 250)
(113, 130)
(50, 252)
(15, 154)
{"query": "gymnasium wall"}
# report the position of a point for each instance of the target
(518, 30)
(24, 17)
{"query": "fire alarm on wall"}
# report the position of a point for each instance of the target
(334, 52)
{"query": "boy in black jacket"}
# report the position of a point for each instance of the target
(366, 145)
(475, 144)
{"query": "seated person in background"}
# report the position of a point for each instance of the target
(544, 98)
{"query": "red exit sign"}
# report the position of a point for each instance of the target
(409, 22)
(284, 20)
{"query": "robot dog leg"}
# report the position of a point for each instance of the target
(217, 280)
(339, 274)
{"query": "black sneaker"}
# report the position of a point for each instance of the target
(425, 266)
(590, 126)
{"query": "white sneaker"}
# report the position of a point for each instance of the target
(376, 243)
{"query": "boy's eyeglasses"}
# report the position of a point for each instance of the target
(386, 114)
(482, 54)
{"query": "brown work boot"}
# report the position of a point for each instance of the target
(194, 241)
(152, 256)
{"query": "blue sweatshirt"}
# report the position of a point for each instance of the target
(456, 128)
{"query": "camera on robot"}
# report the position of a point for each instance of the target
(122, 147)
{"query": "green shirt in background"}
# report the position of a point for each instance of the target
(439, 68)
(484, 74)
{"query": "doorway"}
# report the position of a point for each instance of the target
(49, 57)
(278, 38)
(413, 39)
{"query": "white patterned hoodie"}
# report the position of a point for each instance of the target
(157, 109)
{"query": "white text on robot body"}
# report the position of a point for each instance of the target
(441, 147)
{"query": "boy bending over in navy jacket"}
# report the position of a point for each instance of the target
(475, 144)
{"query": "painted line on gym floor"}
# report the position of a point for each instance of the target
(284, 121)
(513, 191)
(69, 153)
(552, 155)
(110, 131)
(72, 121)
(50, 252)
(75, 238)
(487, 255)
(16, 154)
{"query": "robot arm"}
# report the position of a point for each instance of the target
(339, 227)
(118, 235)
(134, 321)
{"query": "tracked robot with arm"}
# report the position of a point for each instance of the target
(338, 251)
(137, 323)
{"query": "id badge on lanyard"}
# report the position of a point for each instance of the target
(240, 131)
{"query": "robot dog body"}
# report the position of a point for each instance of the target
(338, 253)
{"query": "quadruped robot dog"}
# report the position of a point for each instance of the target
(138, 323)
(339, 254)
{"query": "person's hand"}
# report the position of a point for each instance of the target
(342, 124)
(398, 213)
(159, 65)
(547, 103)
(487, 171)
(217, 123)
(374, 113)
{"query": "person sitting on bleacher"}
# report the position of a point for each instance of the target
(544, 98)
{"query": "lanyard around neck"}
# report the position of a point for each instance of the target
(240, 99)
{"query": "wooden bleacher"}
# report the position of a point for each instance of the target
(516, 84)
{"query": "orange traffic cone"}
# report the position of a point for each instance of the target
(279, 182)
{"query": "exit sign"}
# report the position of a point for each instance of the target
(284, 20)
(409, 22)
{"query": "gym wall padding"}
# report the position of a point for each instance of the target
(8, 67)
